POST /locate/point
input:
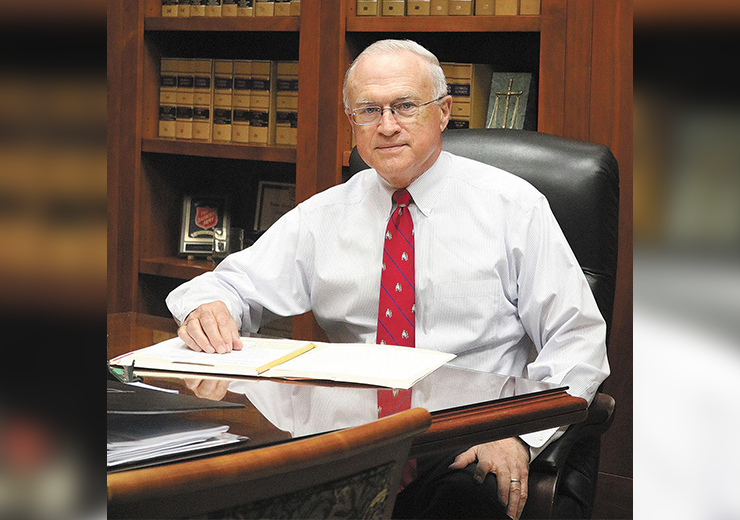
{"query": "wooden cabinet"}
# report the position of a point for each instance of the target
(151, 175)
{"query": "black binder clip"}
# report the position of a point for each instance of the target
(124, 374)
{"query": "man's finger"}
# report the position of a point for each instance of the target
(503, 479)
(462, 460)
(195, 330)
(523, 497)
(211, 328)
(228, 330)
(236, 342)
(515, 491)
(183, 334)
(482, 469)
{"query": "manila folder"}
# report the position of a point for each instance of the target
(381, 365)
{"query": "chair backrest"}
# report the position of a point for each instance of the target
(351, 473)
(579, 179)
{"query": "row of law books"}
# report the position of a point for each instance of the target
(227, 8)
(447, 7)
(229, 101)
(469, 84)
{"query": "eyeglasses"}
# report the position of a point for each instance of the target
(402, 111)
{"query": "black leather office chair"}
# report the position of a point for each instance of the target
(581, 183)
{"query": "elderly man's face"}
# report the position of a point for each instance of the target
(400, 152)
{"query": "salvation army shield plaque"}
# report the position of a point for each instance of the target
(202, 216)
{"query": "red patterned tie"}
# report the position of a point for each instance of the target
(396, 306)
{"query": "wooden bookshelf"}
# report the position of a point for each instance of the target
(262, 23)
(175, 267)
(324, 39)
(443, 23)
(275, 153)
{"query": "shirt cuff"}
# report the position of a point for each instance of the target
(538, 441)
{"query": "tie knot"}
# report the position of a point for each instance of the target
(402, 197)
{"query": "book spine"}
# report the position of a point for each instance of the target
(264, 8)
(440, 7)
(529, 7)
(367, 7)
(169, 8)
(461, 7)
(228, 8)
(419, 8)
(241, 114)
(202, 99)
(286, 101)
(184, 123)
(167, 97)
(484, 8)
(223, 80)
(507, 7)
(261, 107)
(459, 89)
(197, 8)
(184, 8)
(394, 7)
(213, 8)
(245, 8)
(282, 7)
(480, 92)
(295, 7)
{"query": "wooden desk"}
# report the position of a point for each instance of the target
(467, 407)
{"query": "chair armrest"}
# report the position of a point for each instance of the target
(599, 419)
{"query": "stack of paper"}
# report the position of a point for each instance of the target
(134, 439)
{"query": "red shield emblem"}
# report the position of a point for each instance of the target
(206, 217)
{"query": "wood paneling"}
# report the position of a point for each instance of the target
(610, 123)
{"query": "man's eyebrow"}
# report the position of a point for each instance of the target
(373, 102)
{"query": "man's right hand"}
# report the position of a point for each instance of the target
(210, 328)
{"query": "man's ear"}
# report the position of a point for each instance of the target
(445, 106)
(349, 118)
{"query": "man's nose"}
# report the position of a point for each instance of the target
(388, 124)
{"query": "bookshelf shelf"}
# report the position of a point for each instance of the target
(443, 23)
(266, 24)
(174, 267)
(284, 154)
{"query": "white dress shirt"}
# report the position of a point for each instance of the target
(496, 282)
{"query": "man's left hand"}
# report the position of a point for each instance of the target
(508, 459)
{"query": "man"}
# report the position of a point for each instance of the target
(494, 280)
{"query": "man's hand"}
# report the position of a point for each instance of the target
(213, 389)
(508, 459)
(210, 328)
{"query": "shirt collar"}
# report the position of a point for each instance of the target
(424, 190)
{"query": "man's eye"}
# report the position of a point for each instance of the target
(406, 105)
(369, 110)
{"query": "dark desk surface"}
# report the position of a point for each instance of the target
(467, 407)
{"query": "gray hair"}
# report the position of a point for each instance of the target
(439, 83)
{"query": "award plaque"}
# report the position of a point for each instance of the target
(507, 105)
(202, 216)
(274, 199)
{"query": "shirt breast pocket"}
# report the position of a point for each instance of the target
(461, 312)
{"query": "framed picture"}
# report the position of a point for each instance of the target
(202, 215)
(274, 199)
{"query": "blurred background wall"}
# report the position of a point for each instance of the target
(687, 259)
(52, 256)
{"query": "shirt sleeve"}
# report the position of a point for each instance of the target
(559, 312)
(269, 275)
